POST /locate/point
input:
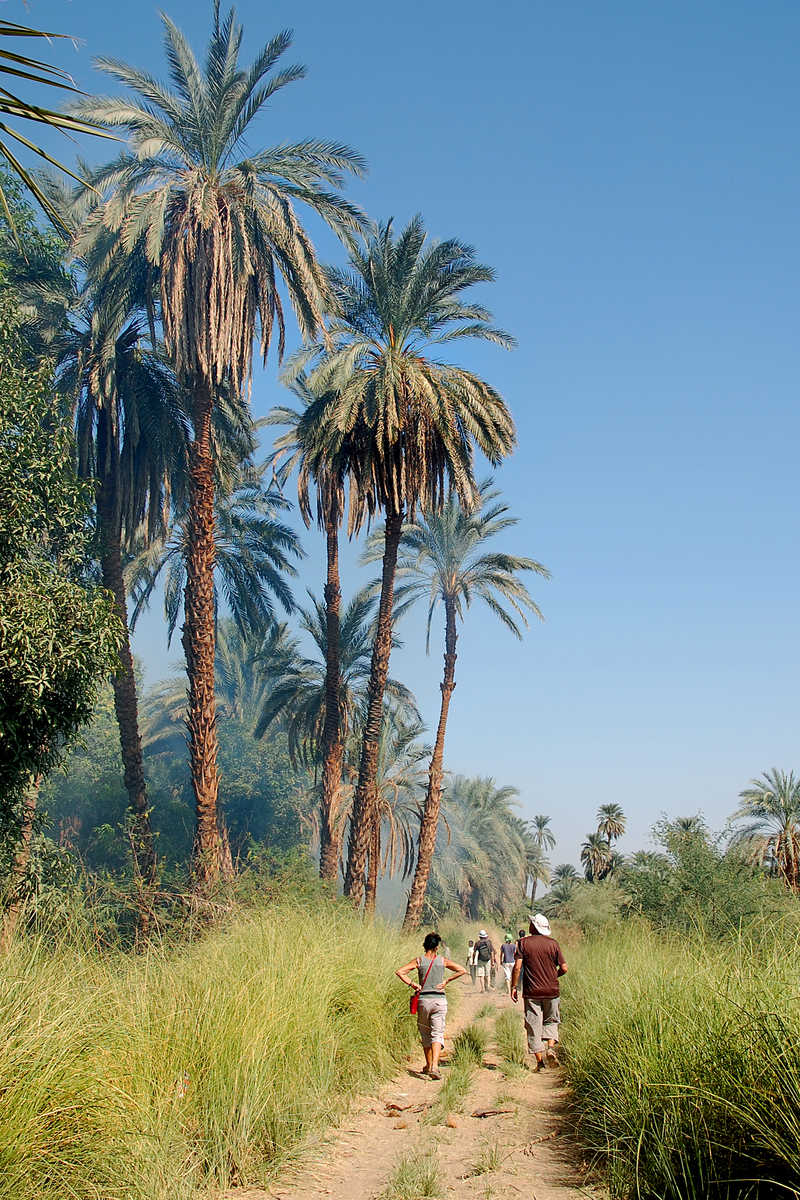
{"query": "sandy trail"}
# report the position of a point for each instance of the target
(538, 1158)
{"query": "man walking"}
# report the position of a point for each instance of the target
(485, 958)
(540, 962)
(471, 961)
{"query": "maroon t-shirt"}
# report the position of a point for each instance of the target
(541, 959)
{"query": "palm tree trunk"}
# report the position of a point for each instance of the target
(124, 683)
(199, 644)
(332, 745)
(373, 866)
(364, 801)
(19, 867)
(433, 799)
(533, 889)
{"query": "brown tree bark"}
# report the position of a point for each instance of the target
(199, 645)
(332, 744)
(124, 684)
(373, 867)
(19, 867)
(364, 801)
(433, 799)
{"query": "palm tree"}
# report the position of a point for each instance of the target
(253, 556)
(538, 869)
(610, 822)
(329, 476)
(131, 440)
(407, 422)
(300, 696)
(545, 840)
(218, 225)
(595, 856)
(480, 866)
(443, 557)
(401, 775)
(771, 805)
(563, 873)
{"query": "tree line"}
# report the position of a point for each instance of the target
(132, 329)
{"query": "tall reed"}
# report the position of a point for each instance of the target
(138, 1078)
(684, 1057)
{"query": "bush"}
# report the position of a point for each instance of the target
(685, 1061)
(136, 1079)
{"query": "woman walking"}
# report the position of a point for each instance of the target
(431, 1000)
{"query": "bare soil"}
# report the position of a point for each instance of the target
(538, 1156)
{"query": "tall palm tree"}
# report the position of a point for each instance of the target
(596, 857)
(443, 557)
(411, 422)
(131, 440)
(610, 822)
(538, 868)
(218, 225)
(294, 449)
(771, 806)
(545, 840)
(300, 697)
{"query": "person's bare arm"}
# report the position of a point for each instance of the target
(456, 969)
(515, 974)
(403, 974)
(562, 968)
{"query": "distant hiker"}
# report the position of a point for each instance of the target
(431, 1000)
(473, 966)
(485, 959)
(540, 962)
(508, 952)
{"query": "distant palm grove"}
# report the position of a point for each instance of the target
(133, 473)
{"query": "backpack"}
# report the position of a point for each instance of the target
(484, 951)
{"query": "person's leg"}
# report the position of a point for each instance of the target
(437, 1022)
(551, 1017)
(507, 969)
(424, 1027)
(533, 1028)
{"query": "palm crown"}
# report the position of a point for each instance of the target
(442, 558)
(219, 223)
(771, 805)
(411, 420)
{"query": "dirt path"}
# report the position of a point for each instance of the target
(527, 1149)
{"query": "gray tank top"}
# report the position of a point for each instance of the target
(435, 978)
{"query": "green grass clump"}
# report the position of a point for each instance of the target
(469, 1046)
(415, 1178)
(510, 1038)
(467, 1054)
(486, 1010)
(488, 1161)
(177, 1072)
(685, 1060)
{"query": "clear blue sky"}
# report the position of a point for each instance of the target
(631, 171)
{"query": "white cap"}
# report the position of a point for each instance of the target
(483, 933)
(541, 924)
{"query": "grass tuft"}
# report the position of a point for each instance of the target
(509, 1038)
(415, 1178)
(488, 1161)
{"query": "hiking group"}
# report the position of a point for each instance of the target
(534, 959)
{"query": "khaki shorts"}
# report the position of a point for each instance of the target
(484, 970)
(431, 1016)
(542, 1018)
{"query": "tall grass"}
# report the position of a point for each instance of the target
(684, 1057)
(134, 1079)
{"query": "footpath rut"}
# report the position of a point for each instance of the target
(528, 1147)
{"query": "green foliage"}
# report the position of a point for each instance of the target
(683, 1056)
(171, 1072)
(417, 1177)
(482, 852)
(695, 882)
(58, 634)
(509, 1037)
(592, 906)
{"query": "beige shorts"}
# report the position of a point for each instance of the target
(484, 970)
(431, 1016)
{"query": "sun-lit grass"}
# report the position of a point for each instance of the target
(684, 1056)
(486, 1010)
(416, 1177)
(509, 1038)
(467, 1054)
(488, 1161)
(136, 1078)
